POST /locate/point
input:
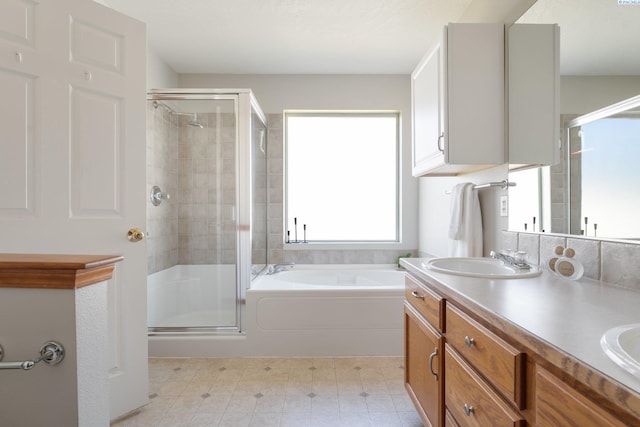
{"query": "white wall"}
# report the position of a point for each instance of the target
(76, 391)
(583, 94)
(435, 206)
(159, 73)
(276, 93)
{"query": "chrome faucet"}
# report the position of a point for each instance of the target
(516, 261)
(277, 268)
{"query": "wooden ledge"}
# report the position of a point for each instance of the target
(55, 271)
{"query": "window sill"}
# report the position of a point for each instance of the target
(310, 246)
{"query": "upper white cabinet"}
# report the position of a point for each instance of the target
(458, 112)
(534, 80)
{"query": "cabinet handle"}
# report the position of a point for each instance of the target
(431, 357)
(469, 410)
(469, 341)
(440, 138)
(417, 295)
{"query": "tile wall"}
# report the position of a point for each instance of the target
(197, 168)
(162, 170)
(196, 226)
(613, 262)
(207, 190)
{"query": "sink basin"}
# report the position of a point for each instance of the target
(479, 267)
(622, 345)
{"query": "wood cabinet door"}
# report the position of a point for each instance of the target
(424, 367)
(559, 405)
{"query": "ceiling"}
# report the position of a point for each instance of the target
(292, 36)
(598, 37)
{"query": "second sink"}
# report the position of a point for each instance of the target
(622, 345)
(479, 267)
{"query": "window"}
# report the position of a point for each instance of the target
(342, 176)
(529, 200)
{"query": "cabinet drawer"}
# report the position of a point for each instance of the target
(428, 303)
(449, 421)
(502, 364)
(470, 400)
(559, 405)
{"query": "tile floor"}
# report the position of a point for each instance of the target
(264, 392)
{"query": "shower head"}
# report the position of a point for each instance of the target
(194, 122)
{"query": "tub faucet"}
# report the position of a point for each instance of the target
(516, 261)
(277, 268)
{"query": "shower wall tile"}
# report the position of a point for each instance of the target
(548, 243)
(530, 243)
(207, 180)
(188, 163)
(621, 264)
(198, 168)
(613, 262)
(588, 253)
(509, 240)
(162, 167)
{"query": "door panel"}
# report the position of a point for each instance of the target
(95, 123)
(72, 155)
(17, 154)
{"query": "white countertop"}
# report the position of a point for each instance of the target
(572, 316)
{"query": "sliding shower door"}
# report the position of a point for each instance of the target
(199, 240)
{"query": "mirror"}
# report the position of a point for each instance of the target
(595, 191)
(599, 67)
(604, 150)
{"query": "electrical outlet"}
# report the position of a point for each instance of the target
(504, 205)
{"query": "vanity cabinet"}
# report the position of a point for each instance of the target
(466, 367)
(533, 63)
(457, 93)
(557, 404)
(489, 354)
(424, 347)
(471, 400)
(477, 363)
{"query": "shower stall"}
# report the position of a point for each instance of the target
(207, 211)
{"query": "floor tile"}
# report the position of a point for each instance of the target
(278, 392)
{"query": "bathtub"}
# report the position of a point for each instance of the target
(328, 310)
(314, 310)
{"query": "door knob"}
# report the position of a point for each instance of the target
(135, 235)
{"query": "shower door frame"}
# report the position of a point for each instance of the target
(244, 102)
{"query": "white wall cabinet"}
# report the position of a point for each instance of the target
(534, 85)
(458, 111)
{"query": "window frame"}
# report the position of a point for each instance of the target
(342, 244)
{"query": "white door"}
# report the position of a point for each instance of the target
(72, 156)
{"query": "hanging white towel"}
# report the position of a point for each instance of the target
(465, 226)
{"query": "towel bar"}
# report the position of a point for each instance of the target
(51, 353)
(502, 184)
